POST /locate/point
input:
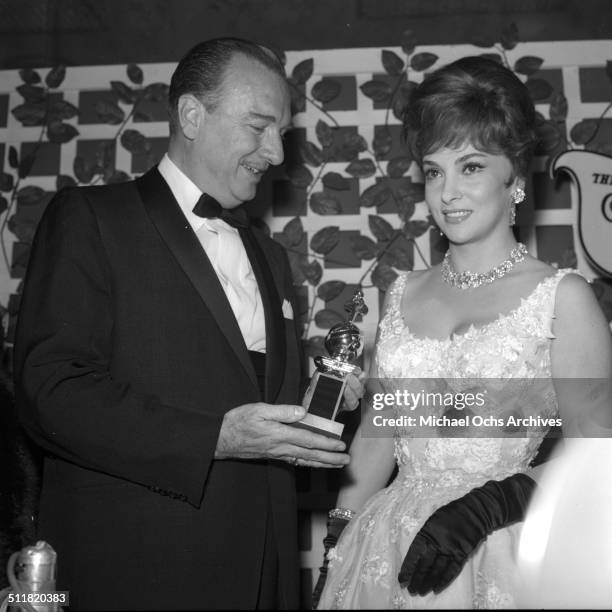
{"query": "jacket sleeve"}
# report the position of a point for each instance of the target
(67, 399)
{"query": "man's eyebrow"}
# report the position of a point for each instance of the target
(256, 115)
(269, 119)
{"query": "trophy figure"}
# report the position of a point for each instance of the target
(344, 343)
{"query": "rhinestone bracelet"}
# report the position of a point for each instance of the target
(342, 513)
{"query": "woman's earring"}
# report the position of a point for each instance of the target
(517, 197)
(512, 220)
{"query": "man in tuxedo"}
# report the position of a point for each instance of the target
(158, 363)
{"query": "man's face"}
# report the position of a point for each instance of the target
(236, 142)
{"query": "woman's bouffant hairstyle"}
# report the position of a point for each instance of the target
(477, 101)
(201, 70)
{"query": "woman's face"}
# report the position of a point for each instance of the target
(469, 192)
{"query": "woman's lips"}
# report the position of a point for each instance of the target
(456, 216)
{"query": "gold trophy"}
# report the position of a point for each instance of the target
(344, 343)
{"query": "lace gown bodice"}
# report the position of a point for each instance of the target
(515, 347)
(514, 353)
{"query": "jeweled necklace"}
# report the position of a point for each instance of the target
(471, 280)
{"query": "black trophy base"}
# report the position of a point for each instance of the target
(322, 400)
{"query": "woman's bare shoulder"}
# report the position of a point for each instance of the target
(539, 268)
(418, 276)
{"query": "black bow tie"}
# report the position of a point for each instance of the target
(208, 208)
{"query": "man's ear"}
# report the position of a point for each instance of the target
(190, 115)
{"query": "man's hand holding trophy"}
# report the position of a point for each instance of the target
(323, 398)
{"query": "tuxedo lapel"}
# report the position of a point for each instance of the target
(178, 235)
(263, 264)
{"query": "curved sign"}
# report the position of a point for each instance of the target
(592, 173)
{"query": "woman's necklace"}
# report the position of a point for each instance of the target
(471, 280)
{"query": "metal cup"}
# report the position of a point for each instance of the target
(35, 573)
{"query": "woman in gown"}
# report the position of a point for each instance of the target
(443, 534)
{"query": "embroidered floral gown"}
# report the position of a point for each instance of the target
(433, 471)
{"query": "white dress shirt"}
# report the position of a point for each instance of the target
(224, 248)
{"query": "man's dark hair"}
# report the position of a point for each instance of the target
(200, 72)
(474, 100)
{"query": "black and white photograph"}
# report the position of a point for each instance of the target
(305, 304)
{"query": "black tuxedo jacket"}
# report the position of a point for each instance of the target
(127, 357)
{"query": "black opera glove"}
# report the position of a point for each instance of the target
(335, 526)
(448, 537)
